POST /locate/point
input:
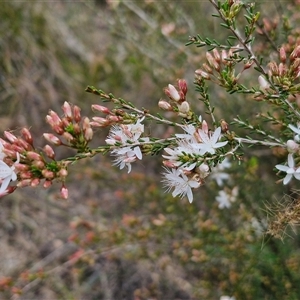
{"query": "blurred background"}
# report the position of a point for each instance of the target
(119, 236)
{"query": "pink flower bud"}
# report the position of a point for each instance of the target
(182, 86)
(26, 175)
(202, 74)
(62, 173)
(282, 55)
(204, 127)
(64, 193)
(165, 105)
(88, 134)
(86, 123)
(33, 155)
(48, 174)
(9, 190)
(35, 182)
(68, 136)
(101, 108)
(38, 164)
(27, 135)
(114, 119)
(263, 83)
(24, 182)
(47, 184)
(12, 138)
(203, 170)
(52, 139)
(212, 61)
(295, 54)
(76, 112)
(184, 107)
(67, 110)
(48, 150)
(292, 146)
(55, 118)
(21, 167)
(216, 55)
(171, 92)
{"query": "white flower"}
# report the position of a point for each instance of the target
(127, 155)
(7, 174)
(296, 130)
(209, 142)
(2, 154)
(290, 170)
(225, 199)
(217, 173)
(182, 184)
(125, 136)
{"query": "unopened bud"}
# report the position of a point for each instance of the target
(9, 190)
(67, 110)
(292, 146)
(204, 127)
(27, 135)
(203, 170)
(295, 54)
(202, 74)
(48, 174)
(48, 150)
(224, 126)
(88, 134)
(171, 92)
(282, 55)
(182, 86)
(55, 118)
(101, 108)
(47, 184)
(184, 107)
(165, 105)
(52, 139)
(64, 193)
(62, 173)
(33, 155)
(76, 113)
(68, 136)
(263, 83)
(12, 138)
(216, 55)
(212, 61)
(35, 182)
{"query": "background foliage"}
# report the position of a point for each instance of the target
(119, 236)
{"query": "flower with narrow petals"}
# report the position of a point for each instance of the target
(7, 173)
(126, 155)
(181, 183)
(290, 170)
(209, 142)
(296, 130)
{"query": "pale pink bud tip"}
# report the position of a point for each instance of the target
(165, 105)
(263, 83)
(52, 139)
(64, 193)
(49, 151)
(184, 107)
(12, 138)
(67, 110)
(27, 135)
(76, 112)
(292, 146)
(172, 92)
(101, 108)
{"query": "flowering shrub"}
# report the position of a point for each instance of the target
(201, 144)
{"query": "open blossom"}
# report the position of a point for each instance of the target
(181, 183)
(7, 174)
(218, 173)
(296, 130)
(290, 170)
(209, 142)
(225, 198)
(122, 137)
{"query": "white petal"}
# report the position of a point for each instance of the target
(291, 162)
(282, 168)
(4, 184)
(216, 135)
(295, 129)
(189, 194)
(5, 170)
(287, 179)
(138, 152)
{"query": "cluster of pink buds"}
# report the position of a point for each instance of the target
(20, 161)
(288, 70)
(178, 102)
(216, 62)
(113, 117)
(75, 130)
